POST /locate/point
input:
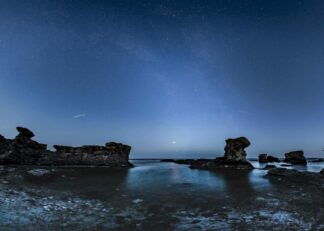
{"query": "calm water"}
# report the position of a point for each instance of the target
(152, 195)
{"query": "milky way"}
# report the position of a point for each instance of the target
(170, 78)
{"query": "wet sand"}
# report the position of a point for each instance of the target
(156, 196)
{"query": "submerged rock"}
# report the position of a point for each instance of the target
(283, 172)
(38, 172)
(295, 157)
(292, 176)
(24, 150)
(269, 166)
(234, 157)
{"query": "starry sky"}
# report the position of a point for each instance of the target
(171, 78)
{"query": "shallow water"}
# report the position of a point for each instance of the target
(154, 195)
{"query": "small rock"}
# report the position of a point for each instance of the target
(38, 172)
(137, 201)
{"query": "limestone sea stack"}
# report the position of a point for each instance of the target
(234, 157)
(24, 150)
(295, 157)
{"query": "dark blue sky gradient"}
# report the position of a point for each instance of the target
(170, 78)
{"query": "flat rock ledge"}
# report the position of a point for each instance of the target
(22, 150)
(293, 176)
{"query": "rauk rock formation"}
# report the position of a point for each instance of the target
(234, 157)
(24, 150)
(295, 157)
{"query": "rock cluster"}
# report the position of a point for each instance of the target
(265, 158)
(295, 157)
(112, 154)
(24, 150)
(234, 157)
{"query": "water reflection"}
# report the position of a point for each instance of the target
(95, 183)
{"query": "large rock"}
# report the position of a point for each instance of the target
(234, 149)
(265, 158)
(234, 157)
(295, 157)
(24, 150)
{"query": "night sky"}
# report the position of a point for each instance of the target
(170, 78)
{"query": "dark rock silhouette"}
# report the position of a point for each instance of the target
(24, 150)
(234, 157)
(25, 132)
(265, 158)
(295, 157)
(234, 149)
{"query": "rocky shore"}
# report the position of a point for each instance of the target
(22, 150)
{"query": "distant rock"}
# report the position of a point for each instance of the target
(234, 157)
(272, 159)
(265, 158)
(295, 157)
(24, 150)
(322, 171)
